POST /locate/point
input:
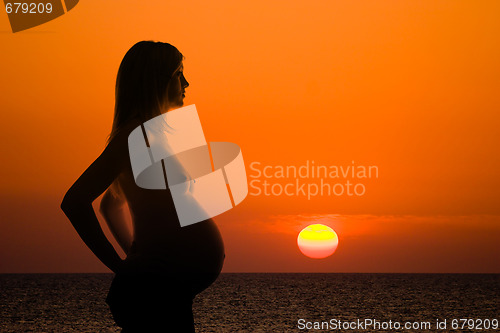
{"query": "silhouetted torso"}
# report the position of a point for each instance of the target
(160, 240)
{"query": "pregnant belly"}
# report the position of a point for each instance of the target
(194, 249)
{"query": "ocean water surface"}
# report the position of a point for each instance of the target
(261, 302)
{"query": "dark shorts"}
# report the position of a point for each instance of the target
(155, 301)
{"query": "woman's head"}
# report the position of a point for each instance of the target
(149, 81)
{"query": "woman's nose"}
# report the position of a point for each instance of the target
(185, 84)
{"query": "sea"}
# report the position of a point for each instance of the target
(270, 302)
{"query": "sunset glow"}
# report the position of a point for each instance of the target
(378, 119)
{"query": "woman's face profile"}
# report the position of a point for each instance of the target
(176, 89)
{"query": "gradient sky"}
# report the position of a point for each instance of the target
(411, 88)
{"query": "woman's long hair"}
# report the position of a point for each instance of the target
(142, 82)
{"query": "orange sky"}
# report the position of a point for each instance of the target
(411, 88)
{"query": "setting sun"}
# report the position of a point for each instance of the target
(317, 241)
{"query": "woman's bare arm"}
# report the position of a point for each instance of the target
(114, 209)
(77, 203)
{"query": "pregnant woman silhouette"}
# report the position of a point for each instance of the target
(166, 265)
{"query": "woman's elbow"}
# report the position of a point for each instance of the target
(66, 203)
(71, 203)
(69, 207)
